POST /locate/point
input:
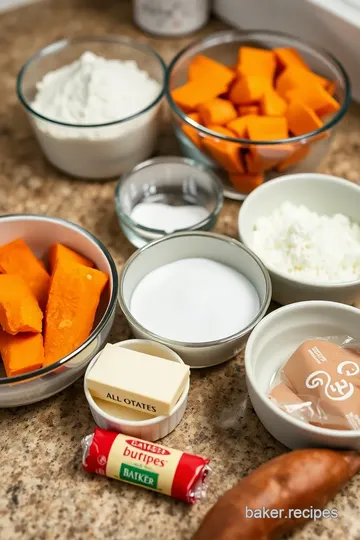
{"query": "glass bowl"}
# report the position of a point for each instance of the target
(309, 148)
(94, 151)
(40, 233)
(174, 181)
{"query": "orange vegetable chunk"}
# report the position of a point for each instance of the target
(22, 353)
(331, 88)
(287, 56)
(17, 258)
(271, 104)
(249, 89)
(208, 70)
(226, 153)
(267, 128)
(19, 309)
(192, 94)
(302, 119)
(217, 111)
(240, 125)
(296, 77)
(245, 183)
(191, 132)
(256, 61)
(64, 255)
(298, 155)
(70, 312)
(315, 97)
(244, 110)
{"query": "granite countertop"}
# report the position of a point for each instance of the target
(44, 492)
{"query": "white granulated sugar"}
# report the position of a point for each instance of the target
(194, 300)
(94, 90)
(166, 217)
(309, 246)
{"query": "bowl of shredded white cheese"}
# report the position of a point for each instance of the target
(306, 230)
(94, 103)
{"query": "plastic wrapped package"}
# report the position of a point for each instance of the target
(320, 383)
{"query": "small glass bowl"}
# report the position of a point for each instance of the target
(94, 151)
(170, 180)
(306, 151)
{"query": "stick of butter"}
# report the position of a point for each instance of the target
(123, 413)
(137, 380)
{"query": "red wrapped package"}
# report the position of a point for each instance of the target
(146, 464)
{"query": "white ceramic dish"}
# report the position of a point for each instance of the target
(195, 244)
(321, 193)
(41, 232)
(156, 427)
(271, 344)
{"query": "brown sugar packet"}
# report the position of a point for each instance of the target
(328, 373)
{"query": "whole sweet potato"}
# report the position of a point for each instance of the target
(303, 479)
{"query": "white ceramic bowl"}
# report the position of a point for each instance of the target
(156, 427)
(320, 193)
(195, 244)
(41, 232)
(272, 343)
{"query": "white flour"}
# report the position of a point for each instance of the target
(194, 300)
(304, 244)
(95, 90)
(166, 217)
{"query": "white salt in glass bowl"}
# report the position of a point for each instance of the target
(156, 427)
(272, 343)
(193, 244)
(321, 193)
(97, 151)
(40, 233)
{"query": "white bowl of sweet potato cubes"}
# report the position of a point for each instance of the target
(58, 290)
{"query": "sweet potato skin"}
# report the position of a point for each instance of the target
(297, 480)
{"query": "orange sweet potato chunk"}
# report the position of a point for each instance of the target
(244, 110)
(267, 128)
(249, 89)
(296, 77)
(315, 97)
(217, 111)
(271, 104)
(287, 56)
(17, 258)
(22, 353)
(256, 61)
(240, 125)
(19, 309)
(192, 94)
(245, 183)
(302, 119)
(226, 153)
(206, 69)
(70, 312)
(298, 155)
(60, 254)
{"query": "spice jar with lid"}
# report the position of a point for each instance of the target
(170, 17)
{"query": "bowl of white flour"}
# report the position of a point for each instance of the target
(306, 230)
(94, 103)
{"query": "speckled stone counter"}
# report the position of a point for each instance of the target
(44, 494)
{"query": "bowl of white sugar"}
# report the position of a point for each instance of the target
(306, 230)
(94, 103)
(164, 195)
(198, 293)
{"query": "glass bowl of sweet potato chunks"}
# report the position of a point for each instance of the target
(58, 294)
(255, 105)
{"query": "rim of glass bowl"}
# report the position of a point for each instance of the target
(227, 36)
(169, 159)
(105, 318)
(58, 46)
